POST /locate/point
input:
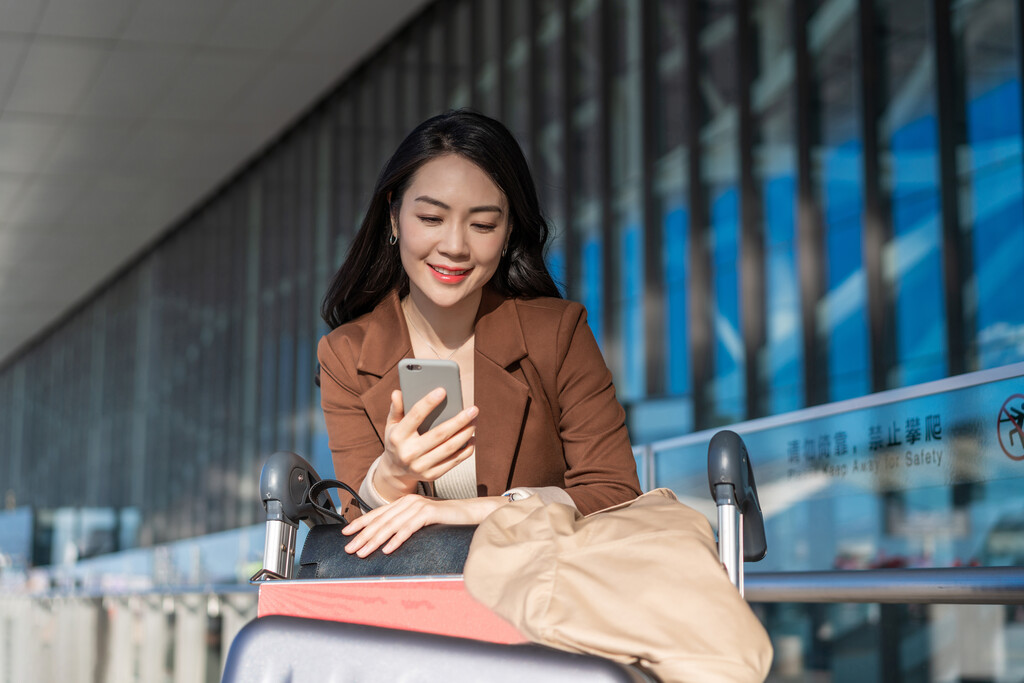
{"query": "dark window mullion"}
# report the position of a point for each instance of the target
(654, 278)
(423, 66)
(699, 289)
(499, 66)
(753, 302)
(570, 239)
(810, 237)
(956, 250)
(533, 89)
(877, 228)
(449, 53)
(305, 272)
(474, 37)
(612, 342)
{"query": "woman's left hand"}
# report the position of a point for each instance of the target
(389, 526)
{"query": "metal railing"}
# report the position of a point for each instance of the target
(959, 586)
(158, 636)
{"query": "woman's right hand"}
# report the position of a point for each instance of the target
(410, 457)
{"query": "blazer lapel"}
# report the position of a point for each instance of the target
(379, 357)
(501, 394)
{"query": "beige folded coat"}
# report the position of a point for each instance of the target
(637, 583)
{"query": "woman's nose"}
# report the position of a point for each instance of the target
(453, 242)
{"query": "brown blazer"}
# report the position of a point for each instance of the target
(548, 412)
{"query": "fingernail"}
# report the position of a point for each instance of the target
(437, 393)
(472, 411)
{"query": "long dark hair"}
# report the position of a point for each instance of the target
(373, 266)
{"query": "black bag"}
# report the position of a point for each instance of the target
(433, 550)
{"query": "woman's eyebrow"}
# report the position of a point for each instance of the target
(476, 209)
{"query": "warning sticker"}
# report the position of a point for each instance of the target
(1011, 427)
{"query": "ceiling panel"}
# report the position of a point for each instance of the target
(10, 186)
(286, 79)
(12, 51)
(174, 23)
(20, 16)
(152, 147)
(131, 80)
(104, 198)
(34, 313)
(117, 117)
(43, 199)
(102, 19)
(338, 30)
(82, 142)
(12, 247)
(206, 83)
(24, 141)
(265, 25)
(54, 75)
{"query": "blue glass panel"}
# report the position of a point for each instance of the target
(785, 344)
(997, 188)
(677, 255)
(775, 156)
(555, 260)
(670, 182)
(592, 295)
(729, 352)
(634, 356)
(837, 174)
(719, 183)
(624, 165)
(909, 139)
(925, 479)
(846, 314)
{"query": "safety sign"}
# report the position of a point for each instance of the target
(1011, 427)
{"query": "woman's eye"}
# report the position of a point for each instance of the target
(487, 227)
(430, 220)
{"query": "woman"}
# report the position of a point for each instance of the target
(448, 263)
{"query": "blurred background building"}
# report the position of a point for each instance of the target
(765, 205)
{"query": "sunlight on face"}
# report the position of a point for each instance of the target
(452, 227)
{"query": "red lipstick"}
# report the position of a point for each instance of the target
(450, 276)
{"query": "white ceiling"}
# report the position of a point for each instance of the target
(118, 116)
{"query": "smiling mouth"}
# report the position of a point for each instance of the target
(449, 276)
(452, 272)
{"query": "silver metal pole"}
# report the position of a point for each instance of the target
(960, 585)
(650, 480)
(279, 548)
(730, 543)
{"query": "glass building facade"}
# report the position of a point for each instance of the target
(765, 205)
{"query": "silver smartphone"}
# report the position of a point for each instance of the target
(419, 376)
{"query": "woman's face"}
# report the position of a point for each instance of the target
(452, 227)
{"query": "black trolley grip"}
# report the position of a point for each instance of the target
(740, 522)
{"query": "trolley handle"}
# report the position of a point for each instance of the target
(740, 522)
(284, 489)
(285, 483)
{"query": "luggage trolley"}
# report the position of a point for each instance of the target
(428, 628)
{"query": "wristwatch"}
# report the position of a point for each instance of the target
(519, 493)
